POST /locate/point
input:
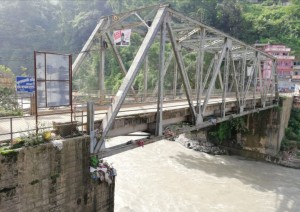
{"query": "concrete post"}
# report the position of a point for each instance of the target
(90, 125)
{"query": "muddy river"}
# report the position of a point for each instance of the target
(165, 176)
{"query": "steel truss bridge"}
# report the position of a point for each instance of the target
(240, 71)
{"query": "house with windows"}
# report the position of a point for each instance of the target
(285, 63)
(296, 75)
(296, 71)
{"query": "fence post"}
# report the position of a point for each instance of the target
(11, 131)
(90, 125)
(82, 121)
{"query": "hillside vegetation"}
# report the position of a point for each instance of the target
(64, 26)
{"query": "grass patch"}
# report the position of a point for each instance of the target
(34, 182)
(54, 177)
(5, 151)
(5, 113)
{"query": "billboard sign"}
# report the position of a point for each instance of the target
(25, 84)
(53, 73)
(122, 37)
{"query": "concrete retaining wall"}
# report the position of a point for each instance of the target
(267, 128)
(51, 177)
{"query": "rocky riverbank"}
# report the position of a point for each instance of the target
(202, 145)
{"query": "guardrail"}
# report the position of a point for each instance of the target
(14, 127)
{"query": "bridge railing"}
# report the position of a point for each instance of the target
(139, 97)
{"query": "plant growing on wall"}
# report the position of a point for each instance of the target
(292, 132)
(226, 130)
(238, 125)
(222, 132)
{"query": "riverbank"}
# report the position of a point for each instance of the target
(282, 158)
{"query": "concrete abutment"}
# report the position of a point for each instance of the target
(265, 131)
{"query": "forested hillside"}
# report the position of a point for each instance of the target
(45, 25)
(64, 26)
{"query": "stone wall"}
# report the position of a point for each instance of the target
(52, 177)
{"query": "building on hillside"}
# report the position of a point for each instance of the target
(296, 75)
(296, 68)
(285, 64)
(285, 2)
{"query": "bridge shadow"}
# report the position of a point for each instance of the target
(261, 176)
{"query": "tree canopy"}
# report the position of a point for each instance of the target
(64, 26)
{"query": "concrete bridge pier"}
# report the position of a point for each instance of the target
(264, 130)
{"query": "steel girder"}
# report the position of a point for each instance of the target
(240, 68)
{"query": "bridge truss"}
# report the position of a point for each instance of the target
(221, 61)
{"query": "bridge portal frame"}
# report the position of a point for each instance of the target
(233, 64)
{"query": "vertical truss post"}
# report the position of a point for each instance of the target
(249, 81)
(215, 73)
(175, 79)
(243, 77)
(159, 113)
(166, 66)
(183, 73)
(236, 78)
(261, 86)
(117, 56)
(102, 70)
(255, 79)
(225, 82)
(199, 76)
(146, 77)
(269, 81)
(276, 80)
(131, 74)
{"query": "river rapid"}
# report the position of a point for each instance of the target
(166, 176)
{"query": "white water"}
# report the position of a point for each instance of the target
(165, 176)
